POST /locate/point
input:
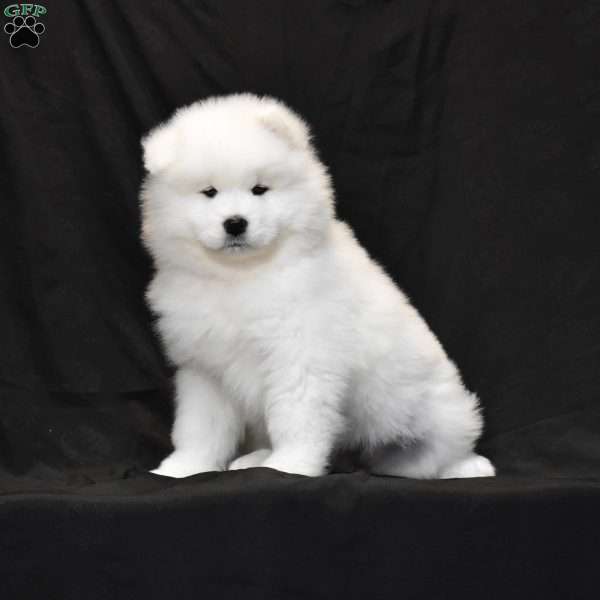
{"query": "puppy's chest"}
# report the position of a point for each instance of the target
(230, 334)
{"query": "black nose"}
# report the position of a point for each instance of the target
(235, 225)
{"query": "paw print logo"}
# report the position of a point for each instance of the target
(24, 31)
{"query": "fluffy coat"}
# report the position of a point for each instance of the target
(290, 342)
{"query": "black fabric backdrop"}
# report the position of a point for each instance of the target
(464, 141)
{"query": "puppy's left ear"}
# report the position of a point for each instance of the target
(159, 148)
(285, 124)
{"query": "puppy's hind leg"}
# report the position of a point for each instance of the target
(418, 460)
(449, 424)
(250, 460)
(421, 460)
(473, 465)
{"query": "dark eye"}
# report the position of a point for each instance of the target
(259, 190)
(210, 191)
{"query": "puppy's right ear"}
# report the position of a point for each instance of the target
(159, 148)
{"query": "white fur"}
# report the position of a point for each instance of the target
(296, 343)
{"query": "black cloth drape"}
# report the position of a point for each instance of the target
(464, 141)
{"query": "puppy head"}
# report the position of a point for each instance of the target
(235, 177)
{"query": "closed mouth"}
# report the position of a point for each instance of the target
(235, 244)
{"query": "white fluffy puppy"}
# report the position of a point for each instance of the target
(290, 341)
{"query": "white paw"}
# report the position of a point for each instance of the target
(472, 466)
(178, 465)
(290, 464)
(251, 460)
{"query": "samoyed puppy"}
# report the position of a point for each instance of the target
(290, 342)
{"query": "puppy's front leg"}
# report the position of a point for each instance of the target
(206, 430)
(304, 419)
